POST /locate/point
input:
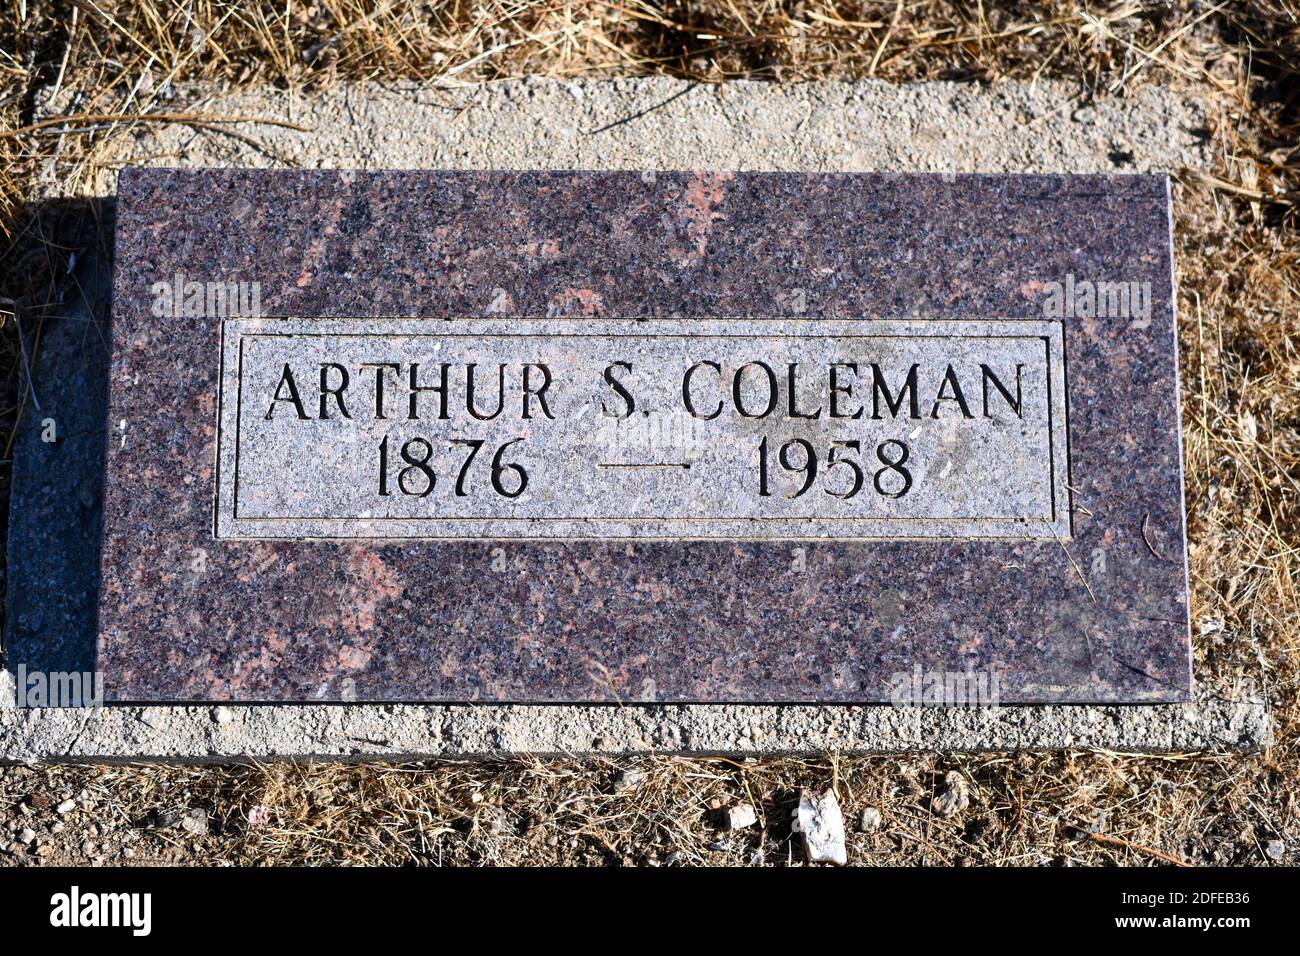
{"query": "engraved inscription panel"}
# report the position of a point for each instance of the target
(657, 429)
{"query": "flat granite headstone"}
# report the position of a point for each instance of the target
(598, 437)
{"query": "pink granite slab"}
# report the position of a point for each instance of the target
(1100, 616)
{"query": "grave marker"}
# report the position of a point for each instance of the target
(574, 437)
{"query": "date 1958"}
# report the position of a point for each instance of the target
(798, 456)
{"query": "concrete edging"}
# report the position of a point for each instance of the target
(662, 124)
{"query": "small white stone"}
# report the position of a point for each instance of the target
(870, 821)
(821, 824)
(195, 822)
(740, 816)
(67, 806)
(259, 816)
(955, 796)
(628, 779)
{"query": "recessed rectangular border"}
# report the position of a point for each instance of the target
(228, 524)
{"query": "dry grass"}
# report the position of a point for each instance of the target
(1025, 810)
(1239, 299)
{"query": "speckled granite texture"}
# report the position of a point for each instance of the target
(1099, 617)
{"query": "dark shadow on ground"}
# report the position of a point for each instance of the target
(56, 487)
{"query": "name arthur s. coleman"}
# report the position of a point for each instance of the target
(756, 389)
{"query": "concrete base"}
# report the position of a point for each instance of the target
(659, 124)
(405, 731)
